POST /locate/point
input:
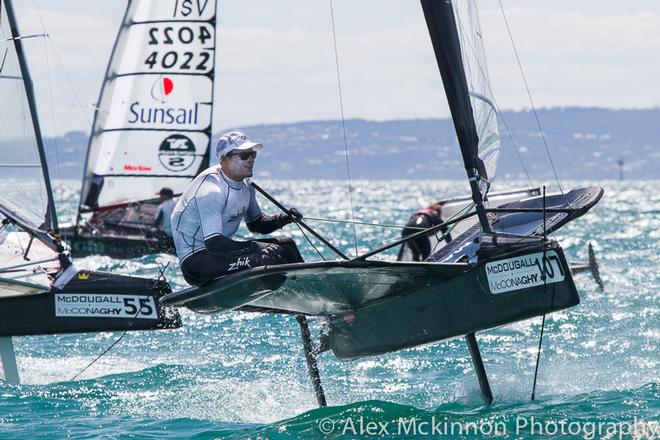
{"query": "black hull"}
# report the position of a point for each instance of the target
(116, 246)
(459, 306)
(90, 302)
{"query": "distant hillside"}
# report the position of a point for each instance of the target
(585, 143)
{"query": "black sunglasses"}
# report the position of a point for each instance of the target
(245, 155)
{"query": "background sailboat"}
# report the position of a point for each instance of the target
(60, 299)
(152, 126)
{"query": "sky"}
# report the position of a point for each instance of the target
(276, 60)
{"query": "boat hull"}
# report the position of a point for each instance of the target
(376, 307)
(89, 302)
(473, 301)
(116, 246)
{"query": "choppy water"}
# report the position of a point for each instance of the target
(244, 376)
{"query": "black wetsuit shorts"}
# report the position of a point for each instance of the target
(204, 266)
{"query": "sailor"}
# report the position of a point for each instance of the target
(422, 219)
(164, 211)
(210, 211)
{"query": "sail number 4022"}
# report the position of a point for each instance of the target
(175, 60)
(180, 47)
(182, 35)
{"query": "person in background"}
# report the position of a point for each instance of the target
(211, 209)
(422, 219)
(164, 211)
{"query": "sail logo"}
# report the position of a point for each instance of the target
(163, 115)
(161, 88)
(523, 272)
(176, 153)
(129, 167)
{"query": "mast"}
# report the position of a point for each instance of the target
(439, 15)
(50, 222)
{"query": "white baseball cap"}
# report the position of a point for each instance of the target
(234, 140)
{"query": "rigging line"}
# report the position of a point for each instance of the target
(102, 43)
(68, 78)
(496, 105)
(439, 237)
(114, 343)
(50, 97)
(23, 37)
(310, 242)
(461, 212)
(101, 355)
(545, 299)
(382, 225)
(531, 101)
(343, 125)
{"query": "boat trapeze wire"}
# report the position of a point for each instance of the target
(531, 101)
(343, 125)
(362, 223)
(300, 222)
(545, 300)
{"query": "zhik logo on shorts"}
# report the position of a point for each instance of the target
(241, 262)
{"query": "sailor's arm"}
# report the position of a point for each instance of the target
(158, 218)
(221, 245)
(258, 222)
(265, 224)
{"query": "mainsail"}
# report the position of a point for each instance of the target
(152, 127)
(457, 41)
(476, 74)
(26, 197)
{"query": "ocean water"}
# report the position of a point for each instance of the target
(244, 375)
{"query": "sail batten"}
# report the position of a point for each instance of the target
(153, 118)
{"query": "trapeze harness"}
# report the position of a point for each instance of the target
(209, 213)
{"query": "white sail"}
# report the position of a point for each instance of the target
(152, 126)
(25, 194)
(476, 74)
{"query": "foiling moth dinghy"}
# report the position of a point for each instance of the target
(152, 127)
(501, 270)
(41, 293)
(480, 281)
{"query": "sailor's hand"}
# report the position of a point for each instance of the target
(271, 250)
(295, 215)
